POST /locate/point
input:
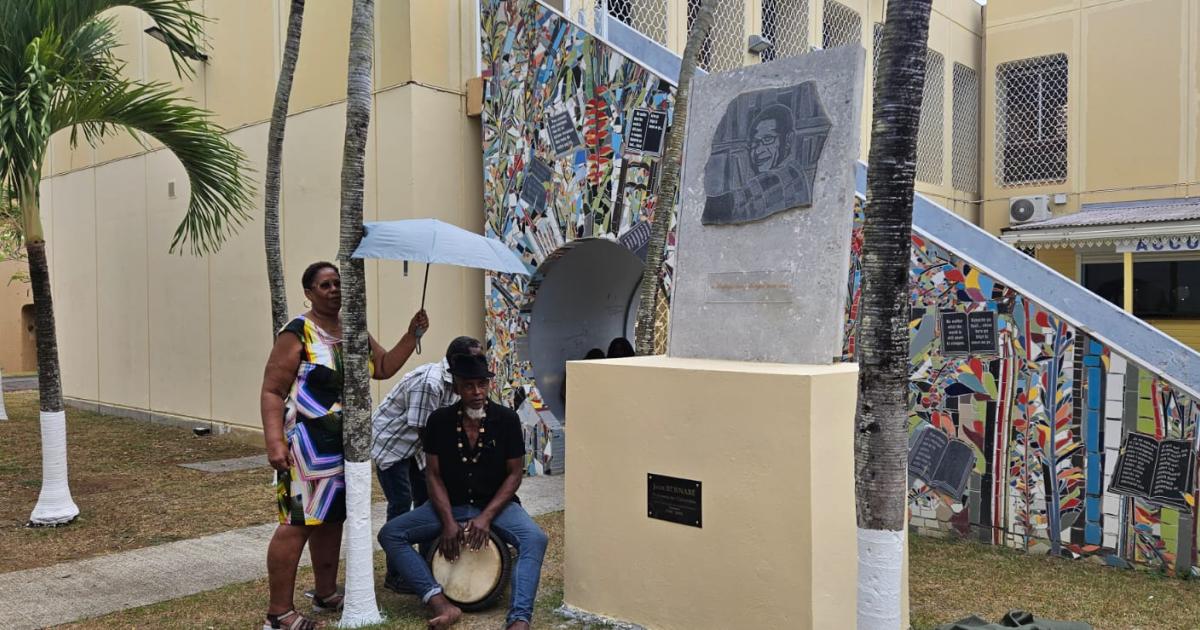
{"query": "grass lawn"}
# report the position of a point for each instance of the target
(949, 580)
(242, 605)
(125, 480)
(952, 579)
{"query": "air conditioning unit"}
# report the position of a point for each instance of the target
(1028, 209)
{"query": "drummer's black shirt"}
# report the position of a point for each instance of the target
(469, 482)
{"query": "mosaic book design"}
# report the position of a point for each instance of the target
(1018, 420)
(1044, 411)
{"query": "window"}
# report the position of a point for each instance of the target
(1161, 288)
(929, 132)
(725, 48)
(649, 17)
(840, 26)
(1031, 121)
(965, 133)
(785, 24)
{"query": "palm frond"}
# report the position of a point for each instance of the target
(217, 170)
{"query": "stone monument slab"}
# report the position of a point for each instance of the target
(767, 210)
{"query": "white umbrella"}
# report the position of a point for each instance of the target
(432, 241)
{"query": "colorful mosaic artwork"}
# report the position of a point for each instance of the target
(1043, 410)
(1018, 420)
(572, 134)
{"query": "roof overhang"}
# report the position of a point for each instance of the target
(1121, 236)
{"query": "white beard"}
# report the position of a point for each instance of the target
(476, 414)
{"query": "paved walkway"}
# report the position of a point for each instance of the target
(19, 383)
(70, 591)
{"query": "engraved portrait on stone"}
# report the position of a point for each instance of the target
(764, 154)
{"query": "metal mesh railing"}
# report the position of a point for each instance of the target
(840, 25)
(785, 24)
(649, 17)
(1031, 121)
(929, 133)
(965, 132)
(725, 48)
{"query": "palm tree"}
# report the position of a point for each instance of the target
(10, 249)
(360, 607)
(669, 183)
(881, 436)
(279, 113)
(58, 72)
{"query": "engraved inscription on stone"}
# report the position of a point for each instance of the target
(765, 154)
(674, 499)
(750, 287)
(954, 333)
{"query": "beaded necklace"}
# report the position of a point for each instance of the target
(478, 439)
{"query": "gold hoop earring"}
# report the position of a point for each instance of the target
(307, 304)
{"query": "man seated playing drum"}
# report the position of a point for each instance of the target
(474, 462)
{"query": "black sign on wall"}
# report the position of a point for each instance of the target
(954, 333)
(533, 189)
(673, 499)
(647, 128)
(981, 332)
(564, 137)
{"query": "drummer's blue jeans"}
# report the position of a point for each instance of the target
(513, 525)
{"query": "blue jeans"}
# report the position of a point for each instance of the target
(422, 525)
(403, 484)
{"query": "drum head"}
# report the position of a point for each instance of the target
(475, 576)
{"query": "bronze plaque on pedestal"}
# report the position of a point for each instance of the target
(673, 499)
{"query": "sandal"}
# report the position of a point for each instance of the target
(290, 620)
(331, 603)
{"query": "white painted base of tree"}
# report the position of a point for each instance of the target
(361, 609)
(3, 411)
(880, 573)
(54, 504)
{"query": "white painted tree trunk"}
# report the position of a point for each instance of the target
(880, 567)
(54, 504)
(3, 411)
(361, 607)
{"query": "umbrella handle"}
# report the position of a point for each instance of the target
(424, 288)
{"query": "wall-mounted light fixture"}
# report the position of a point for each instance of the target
(758, 44)
(176, 45)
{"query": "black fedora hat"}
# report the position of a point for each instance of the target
(470, 366)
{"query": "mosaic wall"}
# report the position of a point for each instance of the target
(1018, 421)
(1024, 431)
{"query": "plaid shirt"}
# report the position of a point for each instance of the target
(398, 420)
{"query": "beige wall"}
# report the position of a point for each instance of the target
(1132, 105)
(17, 351)
(778, 541)
(142, 328)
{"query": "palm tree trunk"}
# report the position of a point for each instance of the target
(54, 504)
(669, 183)
(361, 608)
(279, 113)
(881, 438)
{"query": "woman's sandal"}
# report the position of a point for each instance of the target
(290, 620)
(332, 603)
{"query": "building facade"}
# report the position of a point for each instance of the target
(1090, 141)
(143, 330)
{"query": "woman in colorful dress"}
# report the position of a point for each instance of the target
(302, 426)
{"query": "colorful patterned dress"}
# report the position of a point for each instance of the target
(313, 491)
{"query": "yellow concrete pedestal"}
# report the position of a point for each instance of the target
(772, 446)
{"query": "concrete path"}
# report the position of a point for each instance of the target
(105, 584)
(19, 383)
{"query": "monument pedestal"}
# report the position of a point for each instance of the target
(771, 446)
